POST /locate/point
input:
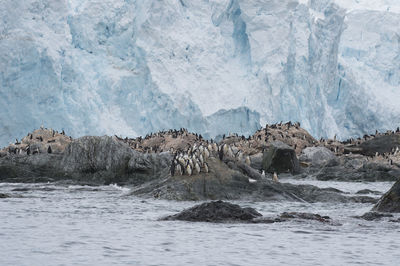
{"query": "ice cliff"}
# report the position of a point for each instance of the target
(131, 67)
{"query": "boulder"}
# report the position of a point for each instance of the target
(317, 156)
(88, 160)
(381, 144)
(280, 158)
(353, 167)
(390, 201)
(216, 212)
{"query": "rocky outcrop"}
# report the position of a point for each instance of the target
(353, 168)
(373, 216)
(225, 212)
(280, 158)
(92, 160)
(216, 211)
(317, 156)
(390, 201)
(225, 183)
(380, 144)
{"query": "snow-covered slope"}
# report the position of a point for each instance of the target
(130, 67)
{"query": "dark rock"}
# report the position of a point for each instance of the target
(364, 199)
(256, 161)
(381, 144)
(225, 183)
(216, 212)
(89, 160)
(297, 216)
(3, 196)
(368, 191)
(280, 158)
(373, 216)
(23, 189)
(353, 168)
(390, 201)
(304, 216)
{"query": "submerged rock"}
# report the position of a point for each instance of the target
(280, 158)
(219, 212)
(216, 211)
(3, 196)
(368, 191)
(373, 216)
(390, 201)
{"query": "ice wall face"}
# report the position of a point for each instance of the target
(131, 67)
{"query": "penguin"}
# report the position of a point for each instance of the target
(31, 136)
(263, 174)
(201, 159)
(172, 169)
(221, 154)
(251, 180)
(49, 149)
(28, 150)
(178, 169)
(275, 177)
(41, 139)
(197, 168)
(247, 160)
(205, 167)
(239, 156)
(188, 170)
(206, 154)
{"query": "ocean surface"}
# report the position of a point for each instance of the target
(47, 224)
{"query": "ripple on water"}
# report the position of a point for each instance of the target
(104, 226)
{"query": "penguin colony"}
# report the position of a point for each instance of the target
(191, 151)
(187, 147)
(39, 141)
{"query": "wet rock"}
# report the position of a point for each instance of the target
(89, 160)
(3, 196)
(225, 183)
(216, 212)
(368, 191)
(381, 144)
(280, 158)
(353, 168)
(373, 216)
(317, 156)
(304, 216)
(390, 201)
(22, 189)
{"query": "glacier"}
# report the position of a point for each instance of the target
(130, 67)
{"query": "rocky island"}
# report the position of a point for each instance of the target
(179, 165)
